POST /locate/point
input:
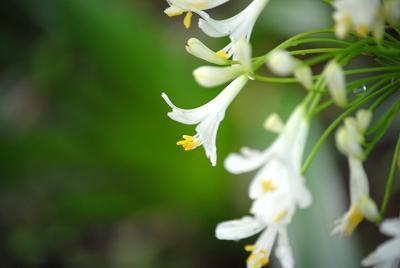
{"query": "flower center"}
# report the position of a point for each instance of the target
(189, 142)
(268, 186)
(362, 30)
(258, 259)
(222, 54)
(280, 216)
(187, 21)
(355, 217)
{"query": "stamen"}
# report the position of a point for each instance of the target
(222, 54)
(268, 186)
(189, 143)
(280, 216)
(362, 30)
(249, 248)
(258, 260)
(355, 217)
(187, 21)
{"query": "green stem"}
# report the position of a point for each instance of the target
(331, 128)
(390, 181)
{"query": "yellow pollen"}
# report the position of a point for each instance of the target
(355, 217)
(174, 14)
(187, 21)
(188, 143)
(268, 186)
(258, 260)
(362, 30)
(222, 54)
(280, 216)
(249, 248)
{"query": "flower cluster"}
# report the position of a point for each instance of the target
(278, 188)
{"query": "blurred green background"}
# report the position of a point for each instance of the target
(90, 174)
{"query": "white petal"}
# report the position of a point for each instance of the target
(284, 250)
(359, 186)
(238, 229)
(388, 251)
(364, 118)
(241, 163)
(207, 131)
(187, 116)
(391, 227)
(199, 50)
(243, 54)
(212, 76)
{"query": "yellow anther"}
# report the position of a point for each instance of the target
(188, 143)
(249, 248)
(174, 14)
(268, 186)
(187, 21)
(280, 216)
(222, 54)
(258, 260)
(355, 217)
(362, 30)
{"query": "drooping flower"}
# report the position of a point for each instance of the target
(211, 76)
(277, 190)
(207, 118)
(336, 80)
(348, 139)
(359, 15)
(178, 7)
(387, 254)
(259, 252)
(236, 27)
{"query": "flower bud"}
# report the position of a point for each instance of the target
(274, 123)
(199, 50)
(348, 144)
(336, 83)
(304, 74)
(364, 118)
(281, 63)
(211, 76)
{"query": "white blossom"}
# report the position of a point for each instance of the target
(359, 15)
(281, 62)
(207, 118)
(199, 50)
(387, 254)
(236, 27)
(178, 7)
(211, 76)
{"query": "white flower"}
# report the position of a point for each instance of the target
(336, 80)
(357, 14)
(236, 27)
(207, 117)
(387, 254)
(350, 136)
(280, 170)
(211, 76)
(178, 7)
(199, 50)
(362, 206)
(261, 250)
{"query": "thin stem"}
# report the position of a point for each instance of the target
(390, 181)
(332, 127)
